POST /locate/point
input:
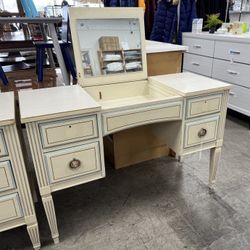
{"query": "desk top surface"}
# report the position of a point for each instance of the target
(43, 104)
(7, 108)
(189, 84)
(158, 47)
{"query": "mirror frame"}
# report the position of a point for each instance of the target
(76, 13)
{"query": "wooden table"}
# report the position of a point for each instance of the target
(51, 24)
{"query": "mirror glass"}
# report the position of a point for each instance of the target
(110, 46)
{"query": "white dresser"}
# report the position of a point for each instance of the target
(16, 204)
(65, 136)
(223, 57)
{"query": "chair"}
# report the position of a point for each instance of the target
(65, 47)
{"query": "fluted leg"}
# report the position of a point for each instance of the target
(215, 154)
(51, 216)
(33, 232)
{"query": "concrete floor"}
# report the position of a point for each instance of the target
(159, 204)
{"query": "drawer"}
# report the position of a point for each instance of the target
(3, 147)
(198, 64)
(239, 99)
(201, 131)
(199, 46)
(73, 162)
(232, 72)
(6, 176)
(203, 105)
(10, 208)
(68, 130)
(116, 121)
(237, 52)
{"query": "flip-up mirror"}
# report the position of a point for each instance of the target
(110, 47)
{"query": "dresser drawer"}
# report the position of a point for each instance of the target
(201, 131)
(73, 162)
(199, 46)
(239, 99)
(10, 208)
(198, 64)
(68, 130)
(121, 120)
(6, 176)
(3, 147)
(232, 72)
(237, 52)
(203, 105)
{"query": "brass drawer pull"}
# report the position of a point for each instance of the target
(202, 132)
(74, 164)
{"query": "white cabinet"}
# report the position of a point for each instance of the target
(222, 57)
(16, 204)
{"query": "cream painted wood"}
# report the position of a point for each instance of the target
(16, 204)
(235, 73)
(70, 130)
(50, 103)
(3, 148)
(10, 208)
(6, 176)
(190, 84)
(203, 105)
(7, 115)
(61, 166)
(236, 52)
(198, 132)
(76, 14)
(121, 120)
(199, 46)
(198, 64)
(215, 154)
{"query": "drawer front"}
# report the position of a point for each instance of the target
(232, 72)
(239, 99)
(201, 131)
(203, 105)
(3, 147)
(10, 208)
(6, 176)
(70, 130)
(127, 119)
(199, 46)
(73, 162)
(232, 51)
(198, 64)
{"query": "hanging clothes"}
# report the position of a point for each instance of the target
(151, 6)
(205, 8)
(121, 3)
(166, 19)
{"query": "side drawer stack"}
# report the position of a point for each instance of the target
(71, 149)
(10, 207)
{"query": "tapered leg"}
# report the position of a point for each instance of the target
(34, 236)
(51, 216)
(214, 160)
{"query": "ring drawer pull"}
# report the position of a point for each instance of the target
(74, 164)
(202, 132)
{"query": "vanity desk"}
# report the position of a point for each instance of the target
(66, 125)
(16, 204)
